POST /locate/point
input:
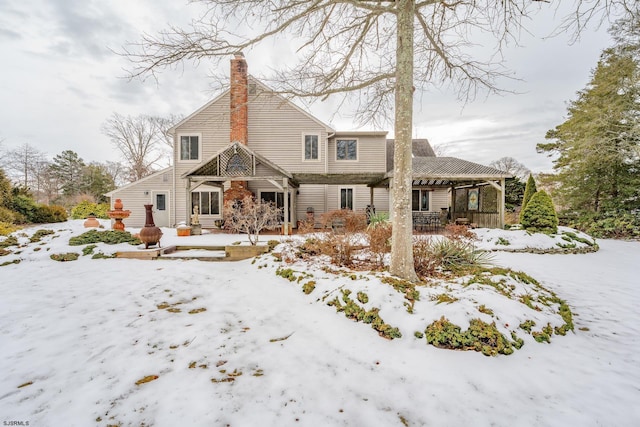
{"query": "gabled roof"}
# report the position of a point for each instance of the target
(266, 89)
(222, 164)
(419, 148)
(153, 175)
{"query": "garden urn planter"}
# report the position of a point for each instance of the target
(91, 222)
(150, 234)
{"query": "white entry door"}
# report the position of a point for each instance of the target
(161, 208)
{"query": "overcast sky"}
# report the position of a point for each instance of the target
(60, 80)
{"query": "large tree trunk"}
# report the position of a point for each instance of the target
(401, 239)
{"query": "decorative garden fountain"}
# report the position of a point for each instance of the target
(150, 234)
(118, 215)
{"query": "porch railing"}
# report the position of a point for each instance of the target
(480, 219)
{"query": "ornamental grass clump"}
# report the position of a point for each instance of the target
(379, 236)
(431, 255)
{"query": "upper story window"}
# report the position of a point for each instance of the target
(189, 147)
(311, 147)
(347, 149)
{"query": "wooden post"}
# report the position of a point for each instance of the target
(453, 203)
(503, 189)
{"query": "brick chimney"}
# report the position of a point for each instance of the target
(238, 119)
(238, 101)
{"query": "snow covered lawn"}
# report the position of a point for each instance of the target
(166, 343)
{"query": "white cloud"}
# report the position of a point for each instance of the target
(61, 80)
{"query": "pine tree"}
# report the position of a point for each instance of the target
(5, 190)
(67, 168)
(529, 190)
(598, 164)
(539, 215)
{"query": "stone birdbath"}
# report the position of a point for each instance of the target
(118, 214)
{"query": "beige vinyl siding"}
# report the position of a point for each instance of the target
(311, 196)
(134, 197)
(276, 130)
(372, 154)
(212, 124)
(361, 197)
(439, 199)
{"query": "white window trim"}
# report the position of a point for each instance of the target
(357, 140)
(178, 147)
(304, 135)
(220, 202)
(353, 197)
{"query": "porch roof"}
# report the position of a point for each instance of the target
(443, 170)
(453, 168)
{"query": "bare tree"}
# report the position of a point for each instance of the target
(22, 164)
(164, 124)
(139, 141)
(364, 47)
(116, 171)
(251, 216)
(2, 156)
(512, 166)
(441, 150)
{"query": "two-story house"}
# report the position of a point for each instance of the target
(250, 140)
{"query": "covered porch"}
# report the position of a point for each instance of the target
(238, 165)
(451, 190)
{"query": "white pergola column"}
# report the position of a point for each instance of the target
(285, 187)
(188, 201)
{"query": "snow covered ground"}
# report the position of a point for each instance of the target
(234, 344)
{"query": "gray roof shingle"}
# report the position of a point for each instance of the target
(419, 148)
(449, 167)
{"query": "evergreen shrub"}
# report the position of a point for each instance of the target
(6, 228)
(7, 215)
(539, 215)
(48, 213)
(529, 190)
(611, 225)
(85, 208)
(24, 206)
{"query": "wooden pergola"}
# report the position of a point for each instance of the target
(459, 176)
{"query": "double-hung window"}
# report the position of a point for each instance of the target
(346, 149)
(189, 147)
(311, 147)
